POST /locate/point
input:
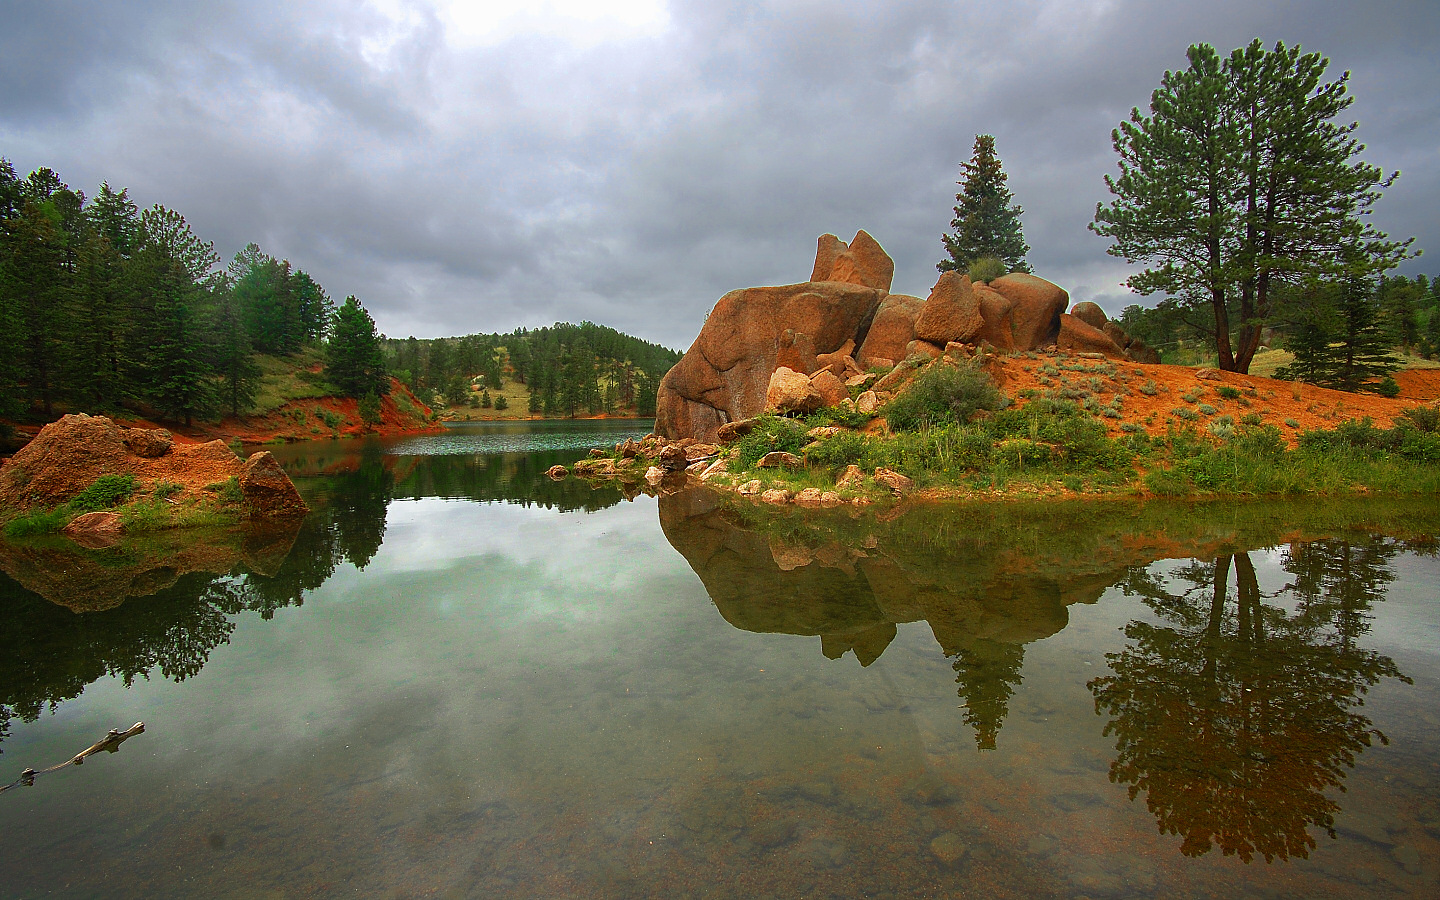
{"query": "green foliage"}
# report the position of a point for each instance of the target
(770, 433)
(1207, 193)
(105, 492)
(47, 521)
(1338, 340)
(943, 394)
(1227, 392)
(369, 408)
(836, 415)
(1388, 386)
(165, 488)
(987, 268)
(1425, 419)
(835, 453)
(501, 402)
(986, 222)
(354, 362)
(227, 491)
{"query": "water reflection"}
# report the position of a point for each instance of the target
(1235, 712)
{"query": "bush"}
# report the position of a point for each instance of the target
(227, 491)
(46, 521)
(943, 394)
(164, 489)
(835, 453)
(987, 268)
(770, 434)
(501, 402)
(107, 492)
(1388, 387)
(1424, 418)
(1228, 392)
(369, 408)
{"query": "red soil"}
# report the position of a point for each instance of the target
(1276, 402)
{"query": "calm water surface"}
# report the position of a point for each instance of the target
(460, 679)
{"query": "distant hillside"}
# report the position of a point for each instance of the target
(564, 370)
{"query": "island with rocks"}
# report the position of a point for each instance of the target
(836, 391)
(94, 480)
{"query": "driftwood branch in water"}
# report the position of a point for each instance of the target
(109, 743)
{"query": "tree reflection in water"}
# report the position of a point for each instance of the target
(1235, 715)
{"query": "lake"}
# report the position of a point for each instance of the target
(458, 678)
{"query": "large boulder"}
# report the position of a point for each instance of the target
(951, 313)
(997, 314)
(828, 249)
(830, 390)
(96, 530)
(151, 443)
(790, 391)
(864, 262)
(267, 491)
(1078, 337)
(892, 328)
(725, 375)
(61, 461)
(1091, 314)
(1035, 309)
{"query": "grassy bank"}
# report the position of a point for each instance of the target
(139, 511)
(953, 433)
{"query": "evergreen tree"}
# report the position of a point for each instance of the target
(1339, 343)
(354, 362)
(1400, 300)
(1238, 182)
(234, 359)
(986, 223)
(171, 361)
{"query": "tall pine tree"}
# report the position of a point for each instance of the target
(986, 223)
(355, 364)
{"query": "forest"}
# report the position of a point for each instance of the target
(106, 307)
(566, 370)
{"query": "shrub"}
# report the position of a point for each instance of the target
(837, 452)
(46, 521)
(836, 415)
(1423, 418)
(770, 434)
(1207, 409)
(1167, 483)
(106, 492)
(1228, 392)
(943, 394)
(227, 491)
(1149, 388)
(1191, 396)
(1292, 423)
(369, 408)
(1251, 419)
(501, 402)
(1223, 427)
(986, 268)
(1388, 387)
(1184, 412)
(164, 489)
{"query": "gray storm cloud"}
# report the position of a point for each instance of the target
(631, 179)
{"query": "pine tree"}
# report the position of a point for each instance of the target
(171, 359)
(1239, 182)
(234, 362)
(354, 363)
(1339, 341)
(986, 223)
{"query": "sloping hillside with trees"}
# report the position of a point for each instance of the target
(562, 370)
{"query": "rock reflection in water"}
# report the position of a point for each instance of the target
(981, 606)
(1235, 715)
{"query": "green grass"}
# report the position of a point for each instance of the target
(284, 379)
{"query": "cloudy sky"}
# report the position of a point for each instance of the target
(477, 166)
